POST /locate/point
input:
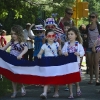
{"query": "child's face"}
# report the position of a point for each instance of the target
(39, 32)
(71, 36)
(66, 28)
(50, 27)
(13, 35)
(50, 36)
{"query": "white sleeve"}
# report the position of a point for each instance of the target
(43, 46)
(57, 44)
(64, 49)
(31, 34)
(81, 50)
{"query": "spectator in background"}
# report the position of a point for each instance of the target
(93, 51)
(3, 40)
(67, 25)
(82, 30)
(29, 54)
(67, 18)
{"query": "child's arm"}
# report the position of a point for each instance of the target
(80, 51)
(6, 46)
(23, 52)
(59, 50)
(40, 53)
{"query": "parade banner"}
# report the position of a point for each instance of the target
(47, 70)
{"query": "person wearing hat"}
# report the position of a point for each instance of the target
(29, 54)
(39, 38)
(50, 24)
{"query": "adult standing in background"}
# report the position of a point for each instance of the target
(93, 50)
(29, 54)
(66, 18)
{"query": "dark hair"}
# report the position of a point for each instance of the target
(67, 24)
(68, 9)
(77, 33)
(94, 13)
(48, 30)
(80, 28)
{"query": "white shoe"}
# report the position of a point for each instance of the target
(23, 91)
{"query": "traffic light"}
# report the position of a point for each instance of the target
(82, 9)
(85, 9)
(79, 9)
(74, 13)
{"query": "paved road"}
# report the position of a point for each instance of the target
(89, 92)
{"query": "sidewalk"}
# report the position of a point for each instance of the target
(89, 92)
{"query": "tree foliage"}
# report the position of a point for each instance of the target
(23, 11)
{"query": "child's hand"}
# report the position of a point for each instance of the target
(39, 56)
(77, 54)
(59, 52)
(66, 53)
(19, 57)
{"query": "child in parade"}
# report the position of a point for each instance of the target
(39, 38)
(74, 45)
(18, 49)
(50, 24)
(64, 38)
(50, 48)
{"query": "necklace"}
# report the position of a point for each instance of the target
(76, 46)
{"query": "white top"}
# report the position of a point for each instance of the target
(26, 33)
(48, 51)
(80, 50)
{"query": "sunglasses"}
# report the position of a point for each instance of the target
(92, 16)
(69, 13)
(51, 36)
(50, 27)
(38, 32)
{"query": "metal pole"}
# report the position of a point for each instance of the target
(76, 13)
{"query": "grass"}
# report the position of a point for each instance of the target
(5, 87)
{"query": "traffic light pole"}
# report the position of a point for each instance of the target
(76, 19)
